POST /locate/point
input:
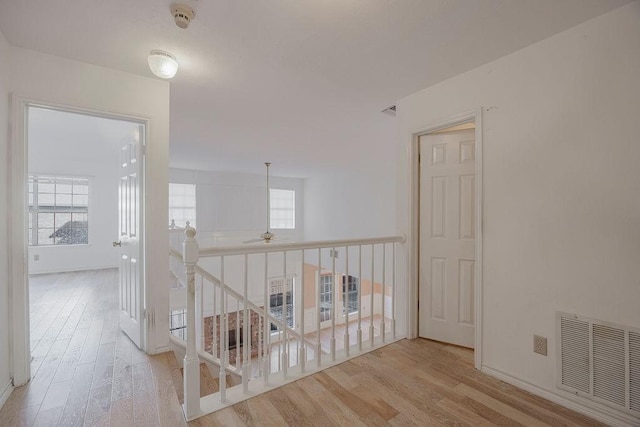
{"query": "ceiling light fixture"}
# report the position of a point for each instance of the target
(163, 64)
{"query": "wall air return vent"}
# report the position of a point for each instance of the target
(574, 353)
(634, 371)
(600, 361)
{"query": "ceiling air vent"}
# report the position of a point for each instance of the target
(390, 110)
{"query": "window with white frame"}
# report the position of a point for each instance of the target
(182, 204)
(326, 297)
(281, 302)
(283, 209)
(58, 210)
(178, 323)
(350, 289)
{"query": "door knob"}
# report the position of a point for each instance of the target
(118, 243)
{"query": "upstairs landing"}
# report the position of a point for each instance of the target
(88, 373)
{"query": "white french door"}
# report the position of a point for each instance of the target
(130, 238)
(447, 237)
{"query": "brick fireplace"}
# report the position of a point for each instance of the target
(235, 339)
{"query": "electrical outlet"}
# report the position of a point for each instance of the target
(36, 257)
(540, 345)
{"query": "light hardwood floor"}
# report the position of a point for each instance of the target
(86, 372)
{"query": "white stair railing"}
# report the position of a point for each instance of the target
(240, 332)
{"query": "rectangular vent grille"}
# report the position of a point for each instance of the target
(634, 371)
(608, 364)
(600, 360)
(575, 354)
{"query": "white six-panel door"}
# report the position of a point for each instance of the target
(130, 239)
(447, 237)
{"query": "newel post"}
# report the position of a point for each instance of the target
(190, 254)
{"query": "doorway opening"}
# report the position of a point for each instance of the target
(83, 227)
(449, 233)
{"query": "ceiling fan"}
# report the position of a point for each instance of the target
(268, 236)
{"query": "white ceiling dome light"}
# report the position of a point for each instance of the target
(163, 64)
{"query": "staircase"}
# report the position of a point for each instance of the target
(209, 374)
(208, 384)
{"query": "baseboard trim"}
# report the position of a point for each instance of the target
(601, 414)
(6, 392)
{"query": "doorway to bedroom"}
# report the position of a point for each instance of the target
(84, 228)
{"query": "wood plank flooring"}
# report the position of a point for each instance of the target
(411, 382)
(86, 372)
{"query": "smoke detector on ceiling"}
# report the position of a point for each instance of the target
(182, 15)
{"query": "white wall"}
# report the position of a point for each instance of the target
(235, 203)
(355, 203)
(561, 184)
(66, 144)
(52, 79)
(5, 380)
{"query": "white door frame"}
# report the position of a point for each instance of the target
(20, 346)
(413, 242)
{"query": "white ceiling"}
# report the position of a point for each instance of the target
(298, 83)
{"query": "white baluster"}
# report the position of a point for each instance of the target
(393, 293)
(334, 295)
(260, 346)
(302, 357)
(226, 328)
(373, 280)
(285, 325)
(359, 298)
(199, 315)
(318, 304)
(346, 303)
(266, 348)
(285, 352)
(224, 340)
(238, 338)
(245, 339)
(279, 352)
(384, 287)
(190, 253)
(214, 326)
